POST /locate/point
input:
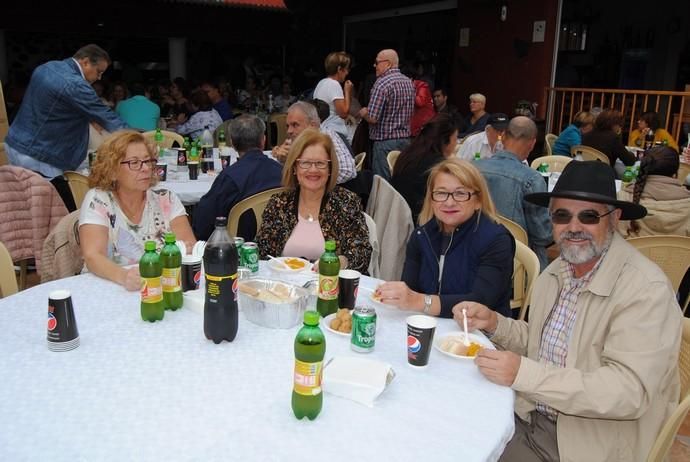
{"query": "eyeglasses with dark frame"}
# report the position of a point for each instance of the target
(136, 164)
(458, 196)
(307, 164)
(586, 217)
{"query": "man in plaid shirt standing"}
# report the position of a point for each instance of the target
(389, 112)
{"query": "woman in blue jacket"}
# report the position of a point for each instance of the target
(459, 253)
(583, 122)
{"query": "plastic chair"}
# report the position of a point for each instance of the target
(359, 160)
(671, 253)
(8, 281)
(392, 159)
(667, 434)
(683, 171)
(549, 140)
(257, 203)
(515, 229)
(78, 185)
(280, 122)
(555, 163)
(168, 138)
(525, 272)
(374, 269)
(589, 153)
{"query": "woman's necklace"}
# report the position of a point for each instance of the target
(307, 212)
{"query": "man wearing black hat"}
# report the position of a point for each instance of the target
(595, 370)
(510, 180)
(486, 142)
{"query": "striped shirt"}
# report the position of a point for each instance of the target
(555, 335)
(391, 103)
(346, 163)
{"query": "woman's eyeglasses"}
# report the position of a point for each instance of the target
(458, 196)
(307, 164)
(586, 217)
(136, 164)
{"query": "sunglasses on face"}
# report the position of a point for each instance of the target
(586, 217)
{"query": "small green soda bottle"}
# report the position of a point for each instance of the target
(151, 289)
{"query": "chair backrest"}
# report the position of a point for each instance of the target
(515, 229)
(277, 123)
(168, 138)
(525, 272)
(374, 268)
(667, 434)
(589, 153)
(683, 172)
(8, 280)
(359, 160)
(392, 159)
(555, 163)
(257, 202)
(61, 256)
(549, 140)
(4, 121)
(671, 253)
(78, 185)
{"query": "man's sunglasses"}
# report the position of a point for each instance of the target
(586, 217)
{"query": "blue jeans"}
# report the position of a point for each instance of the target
(379, 163)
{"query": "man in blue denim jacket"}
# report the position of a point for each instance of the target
(50, 133)
(510, 180)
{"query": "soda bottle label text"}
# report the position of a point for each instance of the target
(151, 290)
(171, 279)
(308, 377)
(328, 287)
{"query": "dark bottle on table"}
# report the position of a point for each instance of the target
(649, 139)
(171, 260)
(310, 348)
(220, 265)
(329, 267)
(152, 308)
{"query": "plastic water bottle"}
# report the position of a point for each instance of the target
(206, 138)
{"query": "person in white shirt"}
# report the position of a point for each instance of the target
(337, 65)
(485, 143)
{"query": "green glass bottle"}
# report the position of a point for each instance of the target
(193, 153)
(151, 290)
(171, 261)
(310, 348)
(628, 175)
(158, 140)
(221, 138)
(477, 155)
(329, 267)
(187, 144)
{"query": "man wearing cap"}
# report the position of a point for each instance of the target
(486, 142)
(510, 180)
(596, 369)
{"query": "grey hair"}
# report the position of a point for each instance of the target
(478, 97)
(93, 52)
(247, 132)
(308, 110)
(521, 128)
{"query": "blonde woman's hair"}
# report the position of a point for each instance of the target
(469, 177)
(110, 154)
(335, 61)
(310, 137)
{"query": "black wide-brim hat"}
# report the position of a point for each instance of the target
(590, 181)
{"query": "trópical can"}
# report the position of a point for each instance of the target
(363, 336)
(250, 256)
(239, 242)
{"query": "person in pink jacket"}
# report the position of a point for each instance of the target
(423, 101)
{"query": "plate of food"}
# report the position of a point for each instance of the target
(291, 264)
(453, 345)
(340, 322)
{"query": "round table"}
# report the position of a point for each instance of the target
(143, 391)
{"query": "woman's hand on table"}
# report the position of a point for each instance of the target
(399, 294)
(132, 279)
(478, 316)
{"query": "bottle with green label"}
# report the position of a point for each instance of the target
(310, 348)
(329, 267)
(150, 270)
(171, 261)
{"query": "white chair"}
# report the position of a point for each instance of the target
(589, 153)
(168, 138)
(549, 141)
(257, 203)
(556, 163)
(8, 281)
(374, 269)
(359, 160)
(525, 272)
(392, 158)
(78, 186)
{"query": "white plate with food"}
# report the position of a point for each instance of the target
(453, 345)
(340, 323)
(370, 295)
(294, 264)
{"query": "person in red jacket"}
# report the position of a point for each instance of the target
(423, 101)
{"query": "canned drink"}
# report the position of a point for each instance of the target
(363, 336)
(181, 157)
(250, 256)
(239, 241)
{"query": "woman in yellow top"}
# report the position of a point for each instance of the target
(650, 121)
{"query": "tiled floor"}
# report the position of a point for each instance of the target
(680, 451)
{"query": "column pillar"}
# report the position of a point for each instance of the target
(177, 57)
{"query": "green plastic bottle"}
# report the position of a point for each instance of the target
(329, 267)
(477, 155)
(158, 139)
(151, 289)
(193, 153)
(187, 145)
(310, 348)
(221, 138)
(628, 175)
(171, 260)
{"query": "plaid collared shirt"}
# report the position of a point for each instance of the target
(555, 335)
(391, 103)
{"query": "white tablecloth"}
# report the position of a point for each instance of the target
(135, 390)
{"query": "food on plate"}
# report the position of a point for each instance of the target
(342, 321)
(456, 346)
(279, 293)
(294, 263)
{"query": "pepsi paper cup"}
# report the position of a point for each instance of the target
(191, 272)
(348, 286)
(420, 335)
(62, 334)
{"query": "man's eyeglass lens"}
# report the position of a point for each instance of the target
(586, 217)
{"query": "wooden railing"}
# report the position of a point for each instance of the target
(673, 107)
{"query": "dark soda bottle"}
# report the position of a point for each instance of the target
(220, 264)
(329, 267)
(310, 348)
(171, 260)
(151, 290)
